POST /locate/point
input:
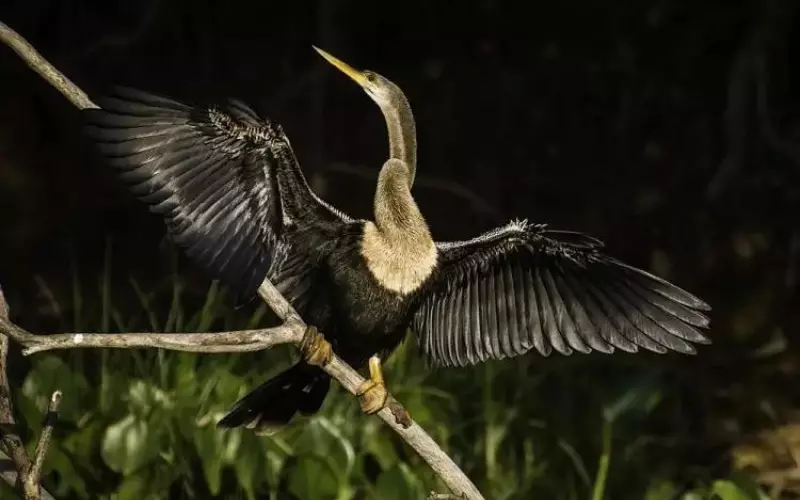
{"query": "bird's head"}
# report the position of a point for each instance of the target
(380, 89)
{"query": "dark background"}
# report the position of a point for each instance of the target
(667, 128)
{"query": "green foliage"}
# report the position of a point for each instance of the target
(141, 424)
(735, 488)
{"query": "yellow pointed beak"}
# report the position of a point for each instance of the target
(344, 67)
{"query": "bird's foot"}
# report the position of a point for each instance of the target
(372, 396)
(315, 349)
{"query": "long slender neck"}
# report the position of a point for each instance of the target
(402, 133)
(397, 215)
(398, 248)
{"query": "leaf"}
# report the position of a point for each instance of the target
(135, 487)
(227, 386)
(111, 386)
(418, 405)
(311, 477)
(144, 398)
(640, 396)
(276, 454)
(209, 311)
(382, 449)
(737, 488)
(661, 490)
(728, 490)
(232, 442)
(48, 374)
(83, 442)
(70, 480)
(130, 444)
(399, 483)
(209, 443)
(323, 440)
(344, 443)
(185, 375)
(144, 301)
(249, 465)
(256, 317)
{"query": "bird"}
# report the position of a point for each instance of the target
(233, 196)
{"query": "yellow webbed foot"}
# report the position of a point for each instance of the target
(372, 394)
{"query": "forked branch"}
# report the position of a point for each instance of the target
(17, 468)
(292, 330)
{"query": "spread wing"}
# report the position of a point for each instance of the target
(225, 180)
(524, 287)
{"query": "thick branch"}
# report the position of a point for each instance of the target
(292, 330)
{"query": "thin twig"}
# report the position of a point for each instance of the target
(9, 475)
(15, 465)
(46, 70)
(34, 475)
(292, 331)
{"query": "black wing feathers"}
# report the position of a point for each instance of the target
(524, 287)
(210, 171)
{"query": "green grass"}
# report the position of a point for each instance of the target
(140, 424)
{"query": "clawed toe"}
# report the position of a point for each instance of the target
(372, 396)
(315, 349)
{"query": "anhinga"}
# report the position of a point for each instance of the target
(234, 197)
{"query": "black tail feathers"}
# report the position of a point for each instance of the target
(301, 388)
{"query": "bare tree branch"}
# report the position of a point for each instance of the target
(14, 460)
(222, 342)
(34, 475)
(292, 331)
(46, 70)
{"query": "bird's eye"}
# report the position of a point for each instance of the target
(370, 77)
